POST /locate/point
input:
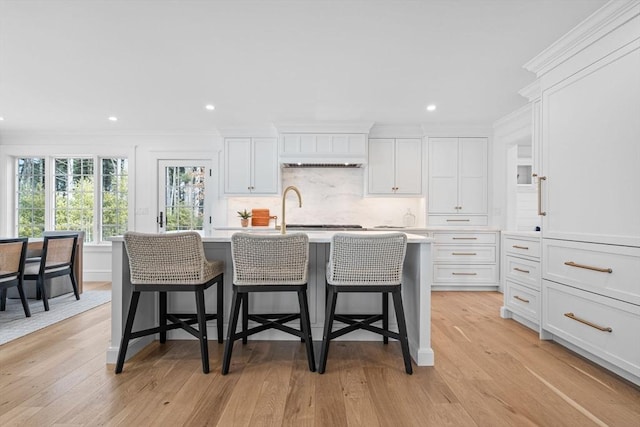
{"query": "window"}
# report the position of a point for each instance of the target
(68, 198)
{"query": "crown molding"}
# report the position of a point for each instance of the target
(601, 22)
(459, 130)
(396, 131)
(324, 127)
(248, 131)
(532, 91)
(515, 126)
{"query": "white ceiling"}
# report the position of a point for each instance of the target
(68, 65)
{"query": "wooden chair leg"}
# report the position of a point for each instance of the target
(40, 284)
(328, 326)
(385, 316)
(3, 299)
(162, 316)
(202, 329)
(305, 325)
(74, 283)
(23, 299)
(220, 308)
(245, 315)
(402, 330)
(236, 301)
(126, 335)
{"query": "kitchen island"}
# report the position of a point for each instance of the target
(416, 291)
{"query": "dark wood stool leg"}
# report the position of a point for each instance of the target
(385, 316)
(220, 308)
(43, 292)
(236, 301)
(305, 325)
(202, 329)
(402, 330)
(328, 325)
(162, 316)
(3, 299)
(23, 299)
(126, 335)
(74, 283)
(245, 315)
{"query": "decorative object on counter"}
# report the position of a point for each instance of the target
(363, 263)
(269, 263)
(261, 217)
(244, 217)
(409, 219)
(185, 268)
(283, 228)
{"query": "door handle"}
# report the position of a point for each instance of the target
(540, 179)
(160, 220)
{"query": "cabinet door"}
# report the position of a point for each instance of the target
(472, 176)
(265, 166)
(237, 165)
(408, 166)
(443, 175)
(381, 166)
(591, 153)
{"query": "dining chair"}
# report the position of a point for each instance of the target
(268, 263)
(172, 262)
(56, 260)
(12, 256)
(365, 263)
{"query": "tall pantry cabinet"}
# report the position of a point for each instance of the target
(589, 188)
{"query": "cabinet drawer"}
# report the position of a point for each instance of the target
(452, 238)
(464, 254)
(444, 273)
(573, 263)
(522, 300)
(619, 346)
(455, 220)
(529, 248)
(522, 270)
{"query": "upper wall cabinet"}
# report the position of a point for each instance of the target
(395, 166)
(251, 166)
(323, 147)
(458, 181)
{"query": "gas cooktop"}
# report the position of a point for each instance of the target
(324, 226)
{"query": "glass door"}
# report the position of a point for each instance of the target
(182, 195)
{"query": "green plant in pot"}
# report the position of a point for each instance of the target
(244, 217)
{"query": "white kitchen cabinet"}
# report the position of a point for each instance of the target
(251, 166)
(465, 260)
(521, 278)
(589, 187)
(395, 166)
(323, 147)
(458, 181)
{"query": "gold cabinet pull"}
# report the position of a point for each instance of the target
(521, 270)
(463, 253)
(540, 179)
(521, 299)
(464, 238)
(464, 274)
(588, 267)
(520, 247)
(458, 220)
(586, 322)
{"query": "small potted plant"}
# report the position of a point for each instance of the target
(244, 217)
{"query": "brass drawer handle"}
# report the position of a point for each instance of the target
(464, 238)
(586, 322)
(540, 179)
(588, 267)
(464, 274)
(521, 299)
(458, 220)
(521, 270)
(463, 253)
(520, 247)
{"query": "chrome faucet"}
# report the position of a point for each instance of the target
(283, 226)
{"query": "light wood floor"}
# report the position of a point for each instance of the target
(489, 372)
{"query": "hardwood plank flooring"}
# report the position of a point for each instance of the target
(489, 372)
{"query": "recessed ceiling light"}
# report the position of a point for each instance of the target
(431, 107)
(113, 119)
(210, 107)
(1, 119)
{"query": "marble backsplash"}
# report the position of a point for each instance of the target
(331, 196)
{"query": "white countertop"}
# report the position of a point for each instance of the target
(224, 236)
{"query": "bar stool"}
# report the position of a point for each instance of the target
(12, 256)
(173, 262)
(366, 263)
(269, 263)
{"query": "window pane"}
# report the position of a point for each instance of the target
(30, 196)
(114, 219)
(74, 195)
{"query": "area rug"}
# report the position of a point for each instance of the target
(14, 324)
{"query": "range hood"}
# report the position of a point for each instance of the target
(321, 165)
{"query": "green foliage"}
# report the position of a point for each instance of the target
(244, 214)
